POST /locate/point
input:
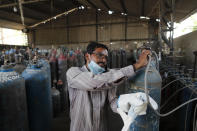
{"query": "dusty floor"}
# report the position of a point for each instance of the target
(61, 123)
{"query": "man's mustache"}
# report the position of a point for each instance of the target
(101, 63)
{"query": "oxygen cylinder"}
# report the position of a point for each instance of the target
(109, 62)
(1, 59)
(114, 59)
(39, 100)
(53, 66)
(124, 58)
(150, 121)
(46, 66)
(62, 68)
(119, 60)
(19, 67)
(80, 58)
(55, 101)
(13, 108)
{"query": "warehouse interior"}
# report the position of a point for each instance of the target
(34, 94)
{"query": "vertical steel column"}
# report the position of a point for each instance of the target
(166, 23)
(172, 26)
(33, 38)
(159, 29)
(195, 62)
(96, 25)
(67, 24)
(126, 23)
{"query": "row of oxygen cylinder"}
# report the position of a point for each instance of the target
(31, 92)
(183, 86)
(25, 92)
(60, 62)
(25, 99)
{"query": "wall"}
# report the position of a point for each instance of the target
(186, 44)
(78, 28)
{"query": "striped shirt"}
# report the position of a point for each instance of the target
(90, 95)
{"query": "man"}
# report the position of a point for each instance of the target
(93, 86)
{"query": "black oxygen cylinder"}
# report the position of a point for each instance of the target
(55, 101)
(54, 68)
(62, 68)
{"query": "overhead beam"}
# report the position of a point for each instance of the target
(188, 14)
(154, 7)
(105, 4)
(35, 14)
(23, 2)
(21, 12)
(15, 17)
(52, 18)
(92, 4)
(60, 5)
(181, 11)
(10, 24)
(99, 24)
(123, 6)
(76, 3)
(143, 8)
(134, 39)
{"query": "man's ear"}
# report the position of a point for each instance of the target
(87, 57)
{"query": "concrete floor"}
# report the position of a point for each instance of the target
(61, 123)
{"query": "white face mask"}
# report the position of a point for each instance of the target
(95, 68)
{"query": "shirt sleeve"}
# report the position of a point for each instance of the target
(76, 78)
(112, 98)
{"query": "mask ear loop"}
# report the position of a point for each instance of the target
(89, 57)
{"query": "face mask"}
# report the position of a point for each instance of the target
(95, 68)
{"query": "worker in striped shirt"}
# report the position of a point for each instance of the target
(92, 88)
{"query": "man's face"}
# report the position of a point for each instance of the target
(99, 56)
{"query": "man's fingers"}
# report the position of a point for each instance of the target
(147, 52)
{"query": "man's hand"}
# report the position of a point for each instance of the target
(142, 60)
(132, 105)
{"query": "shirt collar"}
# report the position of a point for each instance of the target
(84, 68)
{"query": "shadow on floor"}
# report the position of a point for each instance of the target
(61, 123)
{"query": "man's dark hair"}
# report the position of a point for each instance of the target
(93, 45)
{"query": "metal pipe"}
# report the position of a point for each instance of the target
(99, 24)
(54, 17)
